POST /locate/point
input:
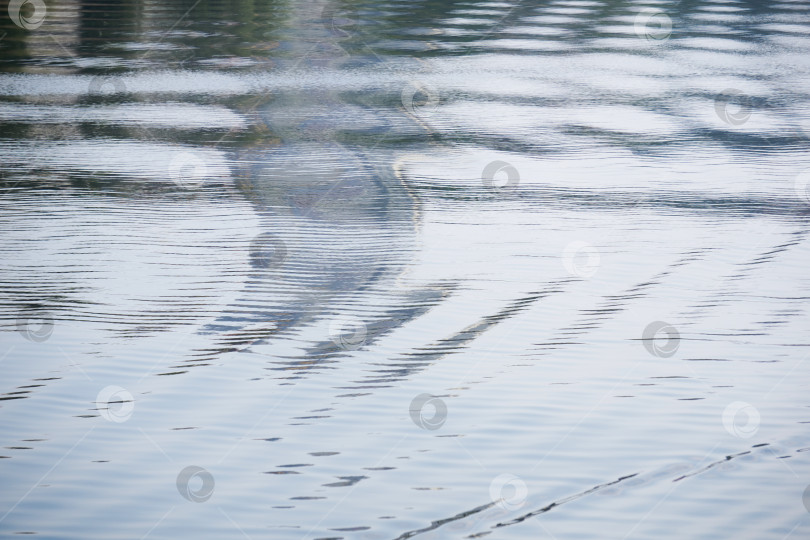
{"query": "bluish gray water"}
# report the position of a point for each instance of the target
(382, 270)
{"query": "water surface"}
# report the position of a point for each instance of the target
(385, 270)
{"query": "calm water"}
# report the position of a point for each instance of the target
(381, 270)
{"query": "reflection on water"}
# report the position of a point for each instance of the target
(350, 269)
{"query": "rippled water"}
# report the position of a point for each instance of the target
(393, 269)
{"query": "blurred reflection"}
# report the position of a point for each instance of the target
(335, 205)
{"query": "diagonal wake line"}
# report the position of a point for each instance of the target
(438, 523)
(563, 501)
(547, 508)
